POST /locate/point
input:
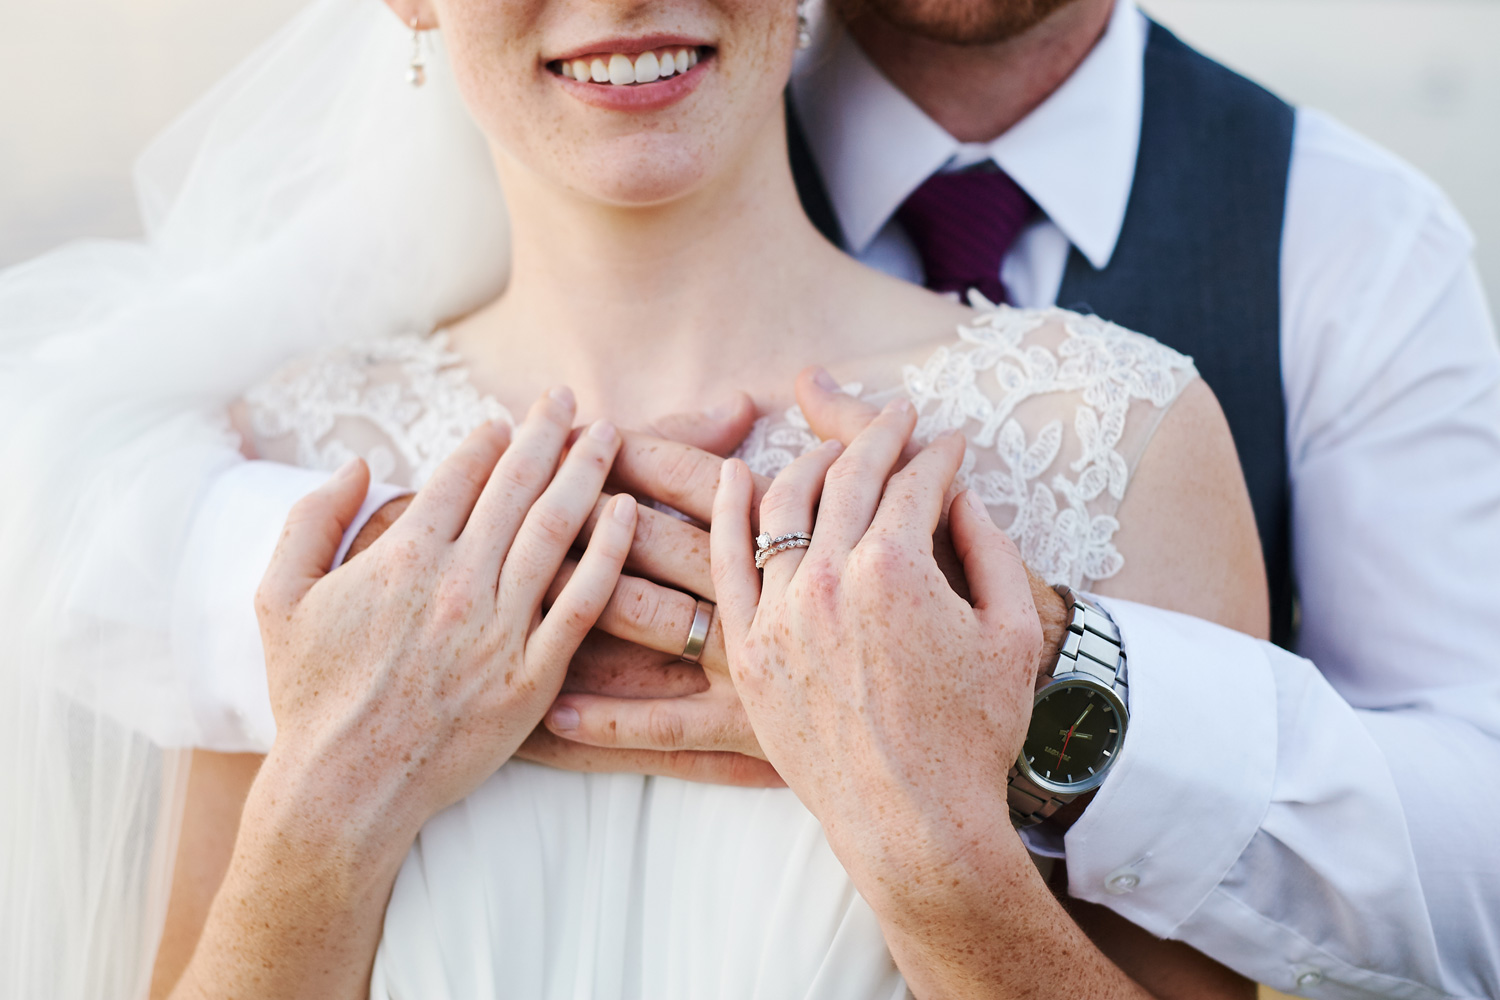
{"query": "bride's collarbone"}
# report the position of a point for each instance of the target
(866, 341)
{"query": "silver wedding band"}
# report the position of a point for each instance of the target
(698, 634)
(767, 546)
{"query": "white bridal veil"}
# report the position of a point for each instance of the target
(312, 197)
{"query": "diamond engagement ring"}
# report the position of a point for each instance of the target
(767, 546)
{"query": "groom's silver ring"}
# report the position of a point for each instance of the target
(767, 546)
(698, 633)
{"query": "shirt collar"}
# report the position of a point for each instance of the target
(1074, 154)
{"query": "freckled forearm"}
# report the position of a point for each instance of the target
(300, 911)
(968, 915)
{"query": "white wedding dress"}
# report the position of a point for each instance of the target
(546, 885)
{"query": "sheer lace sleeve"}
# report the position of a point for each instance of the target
(402, 404)
(1058, 409)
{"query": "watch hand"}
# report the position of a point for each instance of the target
(1069, 737)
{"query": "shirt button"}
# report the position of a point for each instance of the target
(1120, 883)
(1308, 979)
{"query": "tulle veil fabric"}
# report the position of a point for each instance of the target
(311, 198)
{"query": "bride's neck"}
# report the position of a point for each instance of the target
(685, 297)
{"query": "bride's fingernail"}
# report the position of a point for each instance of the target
(346, 471)
(823, 380)
(729, 471)
(562, 394)
(975, 504)
(602, 430)
(564, 719)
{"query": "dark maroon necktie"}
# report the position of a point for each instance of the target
(963, 224)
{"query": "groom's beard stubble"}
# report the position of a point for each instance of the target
(955, 22)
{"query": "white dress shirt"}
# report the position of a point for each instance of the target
(1326, 823)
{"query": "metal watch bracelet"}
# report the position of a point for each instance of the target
(1091, 646)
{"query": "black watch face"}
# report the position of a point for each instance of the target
(1075, 733)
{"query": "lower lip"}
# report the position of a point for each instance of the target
(640, 96)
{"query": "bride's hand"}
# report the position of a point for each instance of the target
(399, 682)
(890, 704)
(410, 674)
(629, 689)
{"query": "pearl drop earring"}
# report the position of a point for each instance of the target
(804, 30)
(416, 73)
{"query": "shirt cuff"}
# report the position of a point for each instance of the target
(377, 497)
(1194, 777)
(215, 637)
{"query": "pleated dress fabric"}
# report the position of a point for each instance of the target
(560, 886)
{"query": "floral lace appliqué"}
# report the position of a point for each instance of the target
(404, 403)
(976, 386)
(412, 390)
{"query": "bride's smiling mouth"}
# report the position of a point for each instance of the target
(640, 74)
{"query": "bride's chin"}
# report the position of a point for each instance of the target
(651, 177)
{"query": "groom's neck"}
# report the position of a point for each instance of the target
(977, 92)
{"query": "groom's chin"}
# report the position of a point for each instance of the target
(955, 22)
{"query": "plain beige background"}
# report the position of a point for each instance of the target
(88, 82)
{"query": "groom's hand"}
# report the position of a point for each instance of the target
(835, 415)
(630, 703)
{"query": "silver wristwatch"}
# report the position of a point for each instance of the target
(1078, 720)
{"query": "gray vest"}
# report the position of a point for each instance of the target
(1198, 264)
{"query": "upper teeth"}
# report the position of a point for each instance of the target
(621, 70)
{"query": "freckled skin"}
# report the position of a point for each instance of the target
(399, 682)
(537, 129)
(896, 720)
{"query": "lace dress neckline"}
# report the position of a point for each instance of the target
(411, 389)
(1057, 407)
